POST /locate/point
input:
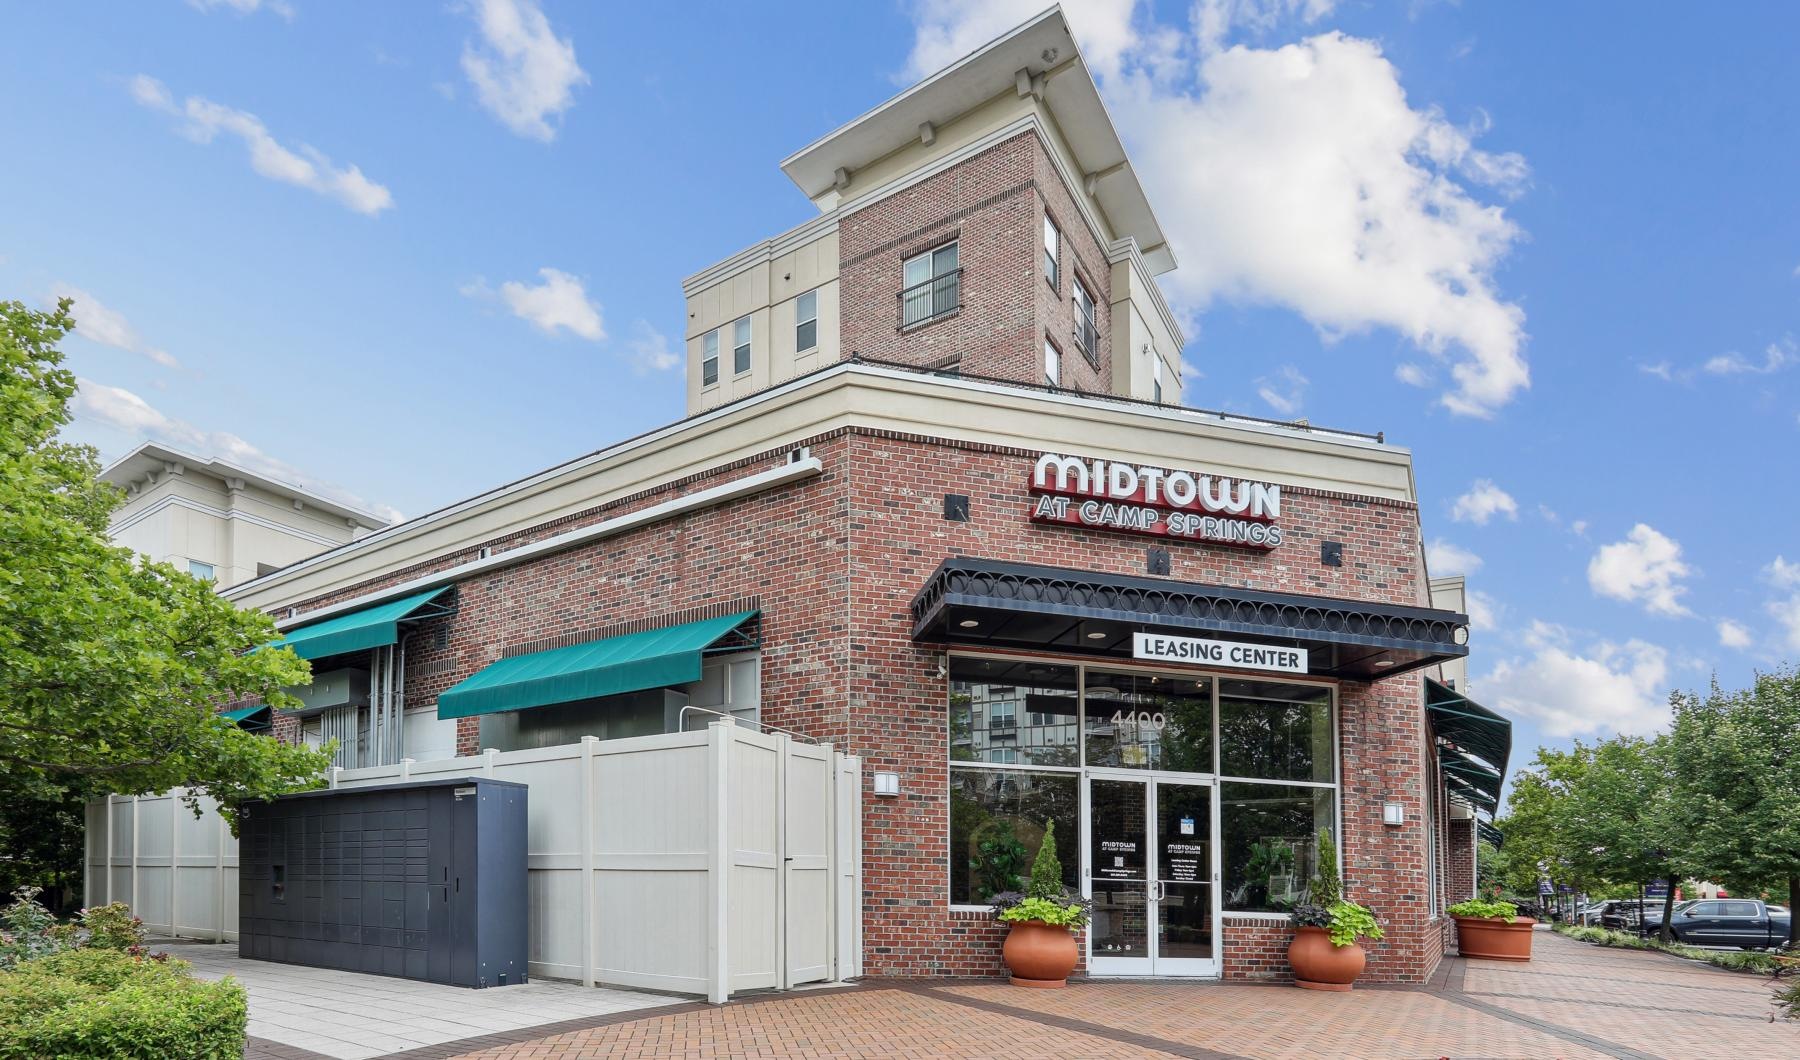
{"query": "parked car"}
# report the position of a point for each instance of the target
(1741, 922)
(1594, 913)
(1625, 914)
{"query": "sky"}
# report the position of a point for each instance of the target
(401, 253)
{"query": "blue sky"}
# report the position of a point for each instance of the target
(411, 251)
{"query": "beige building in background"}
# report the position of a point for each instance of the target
(220, 521)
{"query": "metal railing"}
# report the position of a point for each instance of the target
(936, 297)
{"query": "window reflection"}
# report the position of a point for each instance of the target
(1275, 730)
(1149, 721)
(996, 824)
(1010, 712)
(1270, 837)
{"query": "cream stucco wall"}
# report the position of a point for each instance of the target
(1143, 334)
(190, 516)
(766, 289)
(1451, 594)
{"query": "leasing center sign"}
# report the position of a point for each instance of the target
(1111, 495)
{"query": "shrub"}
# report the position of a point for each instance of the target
(112, 927)
(104, 1003)
(1045, 897)
(27, 930)
(1484, 910)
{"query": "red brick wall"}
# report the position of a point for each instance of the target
(1460, 855)
(1081, 254)
(835, 562)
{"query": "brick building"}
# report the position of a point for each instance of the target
(938, 477)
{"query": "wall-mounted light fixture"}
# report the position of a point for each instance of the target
(887, 785)
(1393, 814)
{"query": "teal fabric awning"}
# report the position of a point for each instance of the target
(1473, 744)
(371, 627)
(632, 662)
(250, 718)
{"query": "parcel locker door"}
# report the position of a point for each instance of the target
(439, 829)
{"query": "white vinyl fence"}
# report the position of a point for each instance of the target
(700, 862)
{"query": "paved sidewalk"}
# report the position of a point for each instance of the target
(299, 1013)
(1572, 1000)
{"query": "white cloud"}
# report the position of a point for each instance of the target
(1660, 370)
(523, 73)
(649, 350)
(1484, 611)
(1776, 356)
(246, 7)
(98, 322)
(1214, 20)
(1579, 527)
(1644, 568)
(1482, 502)
(1286, 392)
(560, 302)
(121, 410)
(947, 30)
(1298, 176)
(1733, 634)
(1786, 576)
(1412, 374)
(1445, 558)
(1603, 689)
(304, 168)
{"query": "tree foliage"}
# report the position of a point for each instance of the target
(112, 667)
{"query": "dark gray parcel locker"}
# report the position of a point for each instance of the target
(423, 880)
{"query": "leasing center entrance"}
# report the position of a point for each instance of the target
(1152, 869)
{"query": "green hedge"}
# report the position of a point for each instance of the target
(1734, 960)
(104, 1003)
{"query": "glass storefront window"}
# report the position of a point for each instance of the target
(1270, 837)
(996, 824)
(1011, 712)
(1149, 721)
(1275, 731)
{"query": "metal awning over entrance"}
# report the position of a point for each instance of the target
(371, 627)
(251, 719)
(1473, 745)
(631, 662)
(1025, 606)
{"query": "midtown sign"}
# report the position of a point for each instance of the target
(1110, 495)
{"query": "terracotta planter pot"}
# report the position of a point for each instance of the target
(1495, 940)
(1318, 965)
(1040, 955)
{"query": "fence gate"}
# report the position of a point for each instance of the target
(807, 897)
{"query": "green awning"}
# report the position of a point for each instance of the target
(1473, 744)
(1489, 833)
(654, 658)
(371, 627)
(252, 718)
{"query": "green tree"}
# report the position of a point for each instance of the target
(1737, 763)
(1621, 816)
(1046, 868)
(112, 667)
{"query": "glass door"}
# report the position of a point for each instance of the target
(1150, 868)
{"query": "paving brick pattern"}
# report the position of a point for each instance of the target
(1570, 1001)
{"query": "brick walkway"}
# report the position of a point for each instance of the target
(1572, 1000)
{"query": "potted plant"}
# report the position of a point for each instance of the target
(1493, 931)
(1040, 947)
(1324, 953)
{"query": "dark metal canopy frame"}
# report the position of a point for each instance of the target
(1023, 606)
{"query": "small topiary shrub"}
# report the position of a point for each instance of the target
(1046, 868)
(102, 1003)
(1327, 886)
(1045, 897)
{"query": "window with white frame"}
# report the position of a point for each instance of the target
(931, 285)
(1052, 363)
(806, 321)
(740, 346)
(203, 571)
(709, 360)
(1052, 245)
(1087, 333)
